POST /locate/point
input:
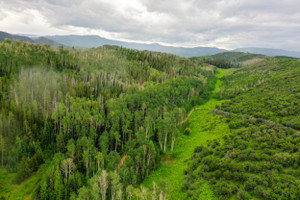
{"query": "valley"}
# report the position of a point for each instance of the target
(117, 123)
(205, 126)
(149, 100)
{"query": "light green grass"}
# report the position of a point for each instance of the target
(221, 73)
(25, 190)
(205, 126)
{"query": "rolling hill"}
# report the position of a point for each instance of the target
(4, 35)
(269, 52)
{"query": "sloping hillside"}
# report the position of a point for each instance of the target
(269, 52)
(232, 59)
(4, 35)
(259, 157)
(239, 58)
(38, 40)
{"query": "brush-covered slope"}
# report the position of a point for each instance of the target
(259, 158)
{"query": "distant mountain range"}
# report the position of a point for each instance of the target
(38, 40)
(269, 52)
(90, 41)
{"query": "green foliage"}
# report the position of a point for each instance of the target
(173, 170)
(187, 131)
(28, 165)
(101, 118)
(277, 99)
(227, 60)
(89, 107)
(259, 158)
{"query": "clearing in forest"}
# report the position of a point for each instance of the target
(205, 126)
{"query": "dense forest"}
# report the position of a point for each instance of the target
(99, 119)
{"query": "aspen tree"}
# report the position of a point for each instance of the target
(103, 183)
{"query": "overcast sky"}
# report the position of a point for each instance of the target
(220, 23)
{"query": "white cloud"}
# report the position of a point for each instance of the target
(221, 23)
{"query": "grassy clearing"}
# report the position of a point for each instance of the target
(205, 126)
(25, 190)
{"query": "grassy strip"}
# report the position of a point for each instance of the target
(25, 190)
(205, 126)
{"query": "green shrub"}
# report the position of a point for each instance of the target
(187, 131)
(243, 195)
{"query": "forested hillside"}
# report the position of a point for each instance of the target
(113, 123)
(228, 60)
(91, 124)
(259, 157)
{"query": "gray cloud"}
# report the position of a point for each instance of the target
(221, 23)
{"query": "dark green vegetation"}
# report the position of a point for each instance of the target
(68, 117)
(114, 123)
(259, 158)
(228, 60)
